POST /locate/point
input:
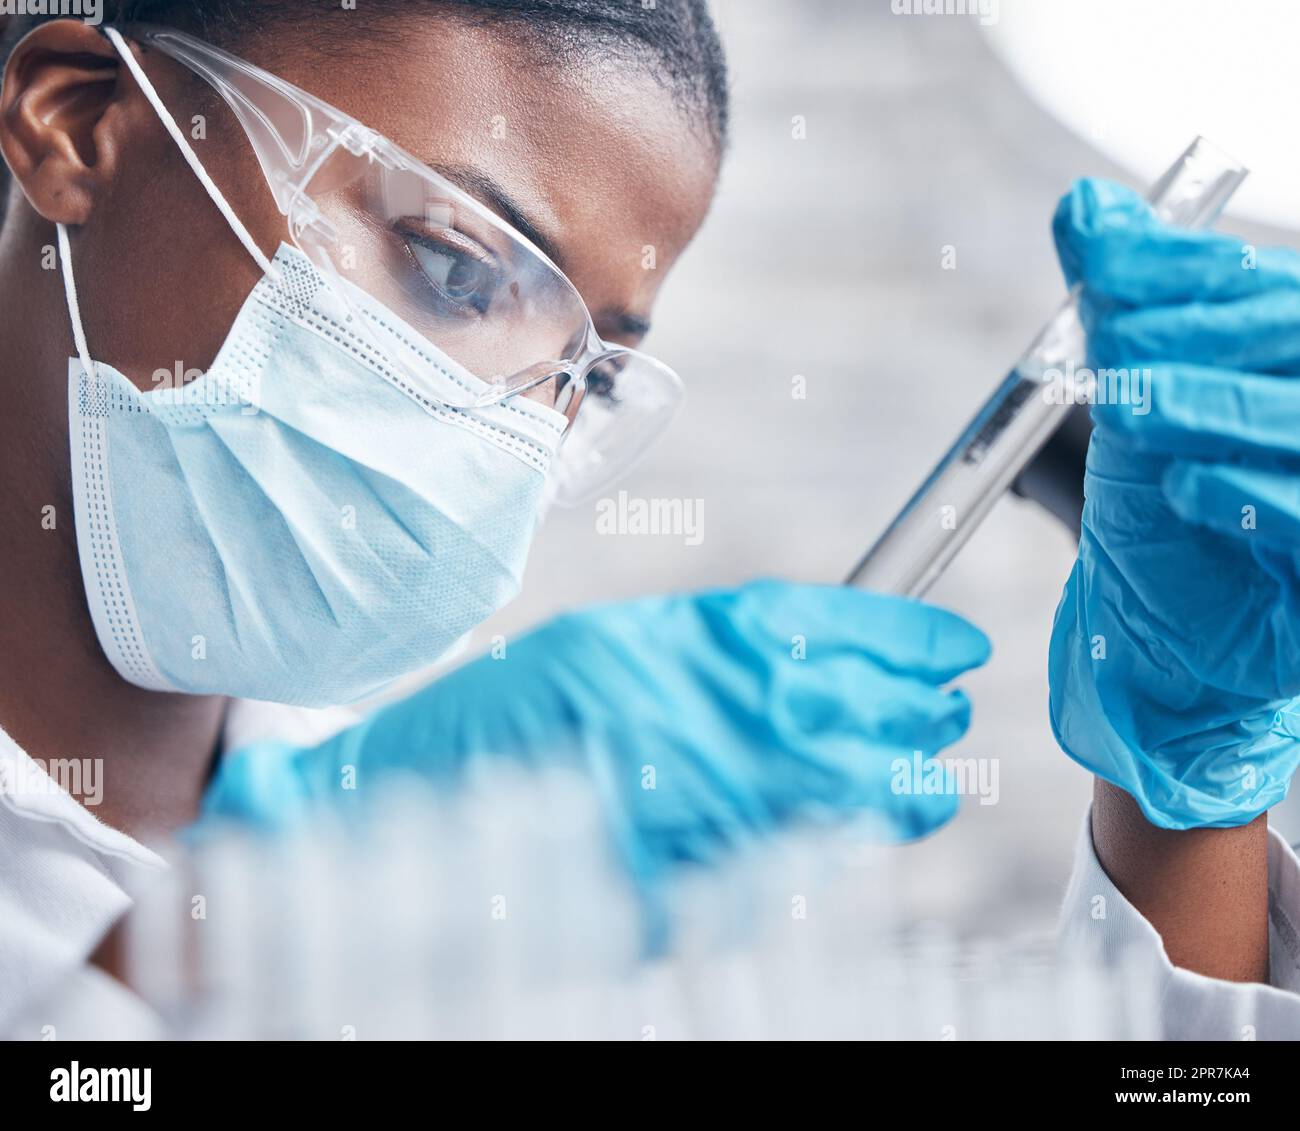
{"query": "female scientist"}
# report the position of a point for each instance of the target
(295, 355)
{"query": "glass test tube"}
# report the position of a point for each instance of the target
(1023, 413)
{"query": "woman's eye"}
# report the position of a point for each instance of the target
(602, 382)
(460, 277)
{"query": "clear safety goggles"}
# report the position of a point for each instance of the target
(368, 213)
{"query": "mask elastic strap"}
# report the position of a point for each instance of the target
(74, 308)
(187, 151)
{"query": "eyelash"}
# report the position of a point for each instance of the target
(600, 385)
(445, 245)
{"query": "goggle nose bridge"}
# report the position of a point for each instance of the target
(594, 350)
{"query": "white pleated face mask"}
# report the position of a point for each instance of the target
(299, 524)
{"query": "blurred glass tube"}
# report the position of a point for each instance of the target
(1026, 409)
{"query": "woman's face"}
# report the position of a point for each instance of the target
(592, 159)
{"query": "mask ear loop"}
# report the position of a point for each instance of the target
(187, 151)
(74, 308)
(192, 159)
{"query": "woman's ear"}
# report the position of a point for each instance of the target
(57, 118)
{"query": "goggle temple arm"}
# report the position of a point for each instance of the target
(284, 126)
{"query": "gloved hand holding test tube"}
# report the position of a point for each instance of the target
(1025, 411)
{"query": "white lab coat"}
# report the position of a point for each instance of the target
(1097, 921)
(64, 878)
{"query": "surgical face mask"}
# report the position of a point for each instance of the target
(300, 523)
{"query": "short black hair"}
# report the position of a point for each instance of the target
(673, 40)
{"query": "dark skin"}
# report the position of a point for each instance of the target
(600, 163)
(1204, 890)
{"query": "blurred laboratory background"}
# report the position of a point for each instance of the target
(890, 258)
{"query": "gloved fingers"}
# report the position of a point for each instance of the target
(1108, 238)
(896, 795)
(1208, 413)
(911, 816)
(888, 768)
(926, 642)
(1260, 332)
(1092, 210)
(940, 722)
(844, 697)
(815, 621)
(1250, 503)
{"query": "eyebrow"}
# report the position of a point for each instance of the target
(479, 184)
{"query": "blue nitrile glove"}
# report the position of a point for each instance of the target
(702, 719)
(1175, 656)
